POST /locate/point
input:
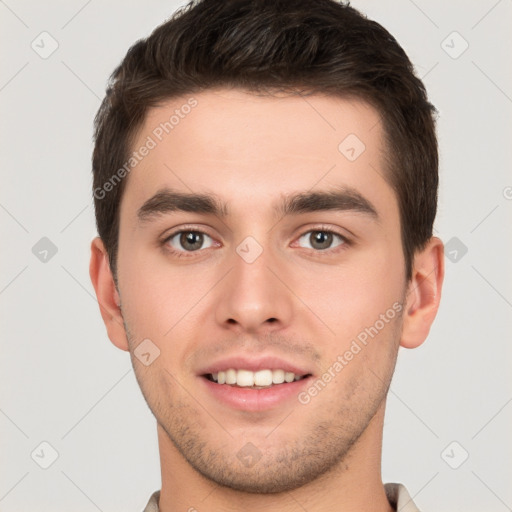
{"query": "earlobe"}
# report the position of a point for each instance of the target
(423, 294)
(107, 294)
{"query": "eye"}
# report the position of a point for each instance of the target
(322, 239)
(189, 241)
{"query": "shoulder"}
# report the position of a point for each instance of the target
(399, 498)
(152, 505)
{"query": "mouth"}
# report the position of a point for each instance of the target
(254, 382)
(261, 379)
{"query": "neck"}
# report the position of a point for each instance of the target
(354, 484)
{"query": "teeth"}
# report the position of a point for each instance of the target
(277, 376)
(261, 378)
(244, 378)
(231, 376)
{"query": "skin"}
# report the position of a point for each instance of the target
(252, 151)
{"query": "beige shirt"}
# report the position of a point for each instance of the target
(397, 495)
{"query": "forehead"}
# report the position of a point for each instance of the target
(246, 148)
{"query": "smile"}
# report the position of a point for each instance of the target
(257, 380)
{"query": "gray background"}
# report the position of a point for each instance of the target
(61, 380)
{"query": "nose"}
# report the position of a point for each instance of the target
(253, 297)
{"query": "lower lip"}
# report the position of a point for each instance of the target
(255, 399)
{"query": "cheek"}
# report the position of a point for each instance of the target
(164, 303)
(148, 300)
(353, 295)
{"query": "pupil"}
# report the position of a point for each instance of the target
(322, 239)
(191, 240)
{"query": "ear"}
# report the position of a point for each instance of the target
(423, 293)
(107, 294)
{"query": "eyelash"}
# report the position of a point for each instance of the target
(321, 229)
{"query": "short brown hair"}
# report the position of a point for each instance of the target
(301, 47)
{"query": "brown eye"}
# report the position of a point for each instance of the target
(321, 240)
(188, 241)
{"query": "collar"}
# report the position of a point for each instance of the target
(397, 495)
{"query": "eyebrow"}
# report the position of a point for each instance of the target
(167, 200)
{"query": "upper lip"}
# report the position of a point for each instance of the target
(254, 363)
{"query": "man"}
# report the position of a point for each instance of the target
(265, 184)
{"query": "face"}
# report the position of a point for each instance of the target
(260, 242)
